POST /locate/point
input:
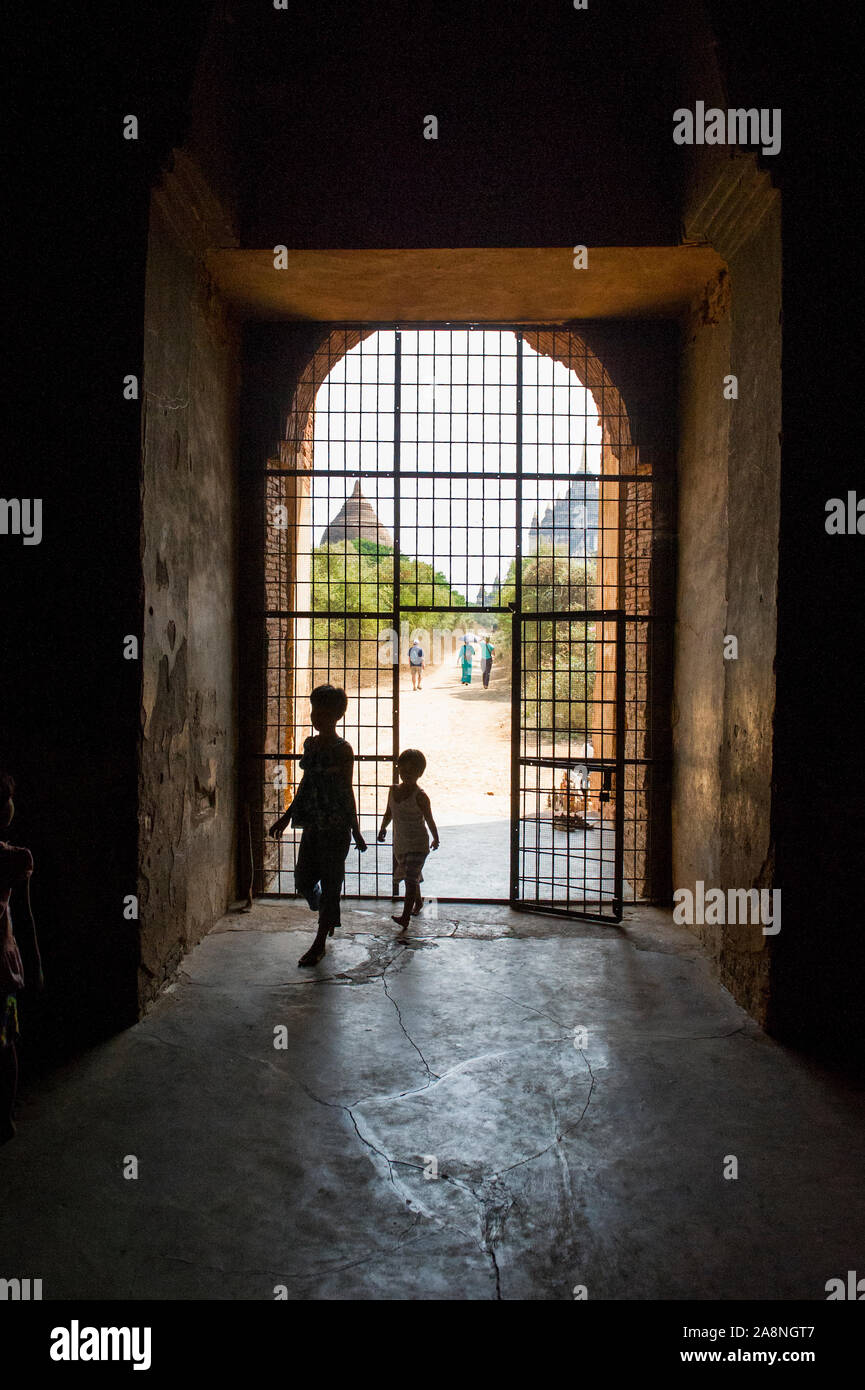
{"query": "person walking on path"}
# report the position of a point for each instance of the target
(416, 663)
(487, 650)
(466, 653)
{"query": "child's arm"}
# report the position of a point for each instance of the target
(279, 825)
(424, 803)
(386, 818)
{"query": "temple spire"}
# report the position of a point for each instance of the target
(356, 520)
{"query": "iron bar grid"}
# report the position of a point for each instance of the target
(555, 528)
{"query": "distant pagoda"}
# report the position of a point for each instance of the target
(356, 520)
(571, 523)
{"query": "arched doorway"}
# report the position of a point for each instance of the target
(451, 478)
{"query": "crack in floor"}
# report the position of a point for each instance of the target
(494, 1217)
(356, 976)
(540, 1012)
(401, 1244)
(560, 1135)
(412, 1201)
(491, 1197)
(429, 1072)
(487, 1243)
(460, 1066)
(493, 1213)
(325, 980)
(495, 1204)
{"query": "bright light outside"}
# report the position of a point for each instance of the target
(458, 403)
(458, 420)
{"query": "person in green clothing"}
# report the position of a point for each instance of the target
(487, 650)
(464, 659)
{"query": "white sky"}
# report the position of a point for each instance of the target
(457, 413)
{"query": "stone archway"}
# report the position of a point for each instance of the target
(624, 569)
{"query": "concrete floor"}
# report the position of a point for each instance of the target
(599, 1164)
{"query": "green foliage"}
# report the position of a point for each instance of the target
(558, 657)
(553, 581)
(421, 584)
(367, 547)
(558, 675)
(356, 577)
(346, 580)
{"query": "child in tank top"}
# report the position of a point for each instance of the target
(408, 806)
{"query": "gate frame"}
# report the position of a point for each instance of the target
(597, 380)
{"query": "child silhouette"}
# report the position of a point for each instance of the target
(408, 806)
(324, 809)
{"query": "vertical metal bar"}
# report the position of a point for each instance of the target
(517, 641)
(618, 888)
(397, 464)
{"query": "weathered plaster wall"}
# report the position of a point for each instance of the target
(187, 785)
(754, 489)
(728, 489)
(729, 485)
(701, 604)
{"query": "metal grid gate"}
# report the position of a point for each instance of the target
(567, 817)
(433, 474)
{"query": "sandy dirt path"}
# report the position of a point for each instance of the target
(465, 734)
(463, 731)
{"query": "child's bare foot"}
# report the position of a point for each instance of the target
(314, 954)
(417, 907)
(401, 922)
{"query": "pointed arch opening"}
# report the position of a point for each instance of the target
(566, 511)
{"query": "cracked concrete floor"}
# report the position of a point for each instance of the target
(598, 1164)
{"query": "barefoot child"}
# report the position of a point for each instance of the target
(409, 809)
(16, 866)
(324, 809)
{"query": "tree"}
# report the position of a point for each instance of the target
(355, 577)
(558, 656)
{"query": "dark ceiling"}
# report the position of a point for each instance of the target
(554, 124)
